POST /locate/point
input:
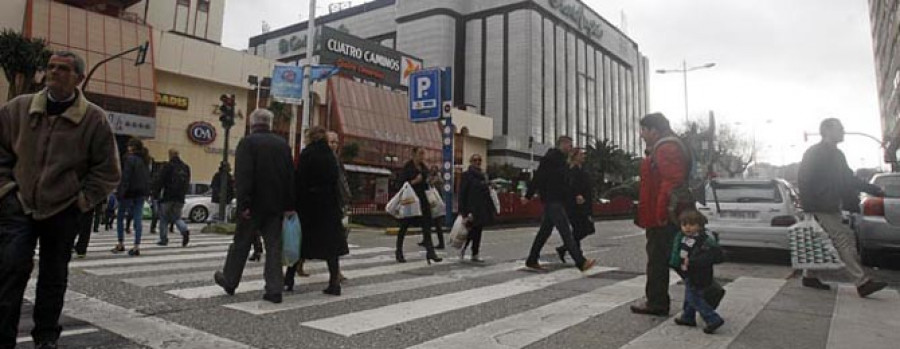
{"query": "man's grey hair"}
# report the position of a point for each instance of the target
(261, 116)
(79, 62)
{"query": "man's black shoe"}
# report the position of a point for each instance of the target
(537, 267)
(710, 329)
(815, 283)
(561, 252)
(185, 238)
(162, 243)
(274, 298)
(46, 345)
(680, 322)
(870, 287)
(220, 280)
(645, 310)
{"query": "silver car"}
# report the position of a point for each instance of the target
(751, 212)
(877, 225)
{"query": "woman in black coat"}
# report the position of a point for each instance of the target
(578, 207)
(475, 205)
(319, 209)
(416, 173)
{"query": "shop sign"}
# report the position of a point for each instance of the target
(575, 12)
(366, 59)
(172, 101)
(132, 125)
(201, 132)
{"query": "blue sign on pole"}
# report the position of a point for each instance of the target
(448, 130)
(425, 95)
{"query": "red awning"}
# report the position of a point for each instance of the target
(374, 113)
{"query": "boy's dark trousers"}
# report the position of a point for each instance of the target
(694, 303)
(19, 234)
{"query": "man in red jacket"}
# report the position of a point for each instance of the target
(663, 169)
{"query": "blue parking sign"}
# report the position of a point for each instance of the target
(425, 95)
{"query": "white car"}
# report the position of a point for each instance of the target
(751, 212)
(198, 208)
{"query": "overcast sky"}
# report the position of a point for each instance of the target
(792, 62)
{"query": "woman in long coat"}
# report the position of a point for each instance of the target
(319, 209)
(475, 205)
(579, 206)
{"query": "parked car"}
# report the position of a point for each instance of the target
(877, 226)
(751, 212)
(198, 208)
(197, 188)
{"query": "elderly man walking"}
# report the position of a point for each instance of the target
(264, 176)
(824, 179)
(58, 159)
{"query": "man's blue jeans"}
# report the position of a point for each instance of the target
(694, 303)
(136, 207)
(169, 213)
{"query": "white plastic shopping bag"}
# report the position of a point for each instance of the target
(459, 233)
(811, 248)
(438, 208)
(405, 204)
(496, 199)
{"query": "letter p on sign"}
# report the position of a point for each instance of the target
(422, 86)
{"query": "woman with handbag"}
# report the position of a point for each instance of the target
(579, 206)
(475, 205)
(416, 173)
(319, 209)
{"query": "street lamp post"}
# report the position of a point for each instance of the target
(684, 70)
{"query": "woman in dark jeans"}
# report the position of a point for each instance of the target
(475, 205)
(132, 192)
(416, 173)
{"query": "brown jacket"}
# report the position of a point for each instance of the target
(56, 161)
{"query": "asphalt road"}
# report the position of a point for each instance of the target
(166, 299)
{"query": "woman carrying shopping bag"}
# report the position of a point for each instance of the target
(319, 209)
(415, 172)
(475, 205)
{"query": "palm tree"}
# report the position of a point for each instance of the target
(605, 159)
(21, 59)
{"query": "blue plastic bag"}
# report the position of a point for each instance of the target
(291, 239)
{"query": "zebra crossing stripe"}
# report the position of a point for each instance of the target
(258, 285)
(170, 279)
(523, 329)
(172, 245)
(744, 299)
(871, 322)
(369, 320)
(66, 333)
(148, 331)
(126, 260)
(308, 300)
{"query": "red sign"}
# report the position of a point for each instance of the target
(201, 132)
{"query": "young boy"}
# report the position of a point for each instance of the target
(693, 254)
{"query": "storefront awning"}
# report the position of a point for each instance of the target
(375, 113)
(367, 169)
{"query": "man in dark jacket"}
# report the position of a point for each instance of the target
(174, 181)
(58, 159)
(551, 184)
(216, 187)
(824, 180)
(264, 174)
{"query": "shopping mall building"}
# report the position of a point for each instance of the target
(537, 68)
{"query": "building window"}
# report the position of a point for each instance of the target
(202, 5)
(182, 12)
(201, 18)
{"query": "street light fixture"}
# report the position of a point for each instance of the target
(684, 70)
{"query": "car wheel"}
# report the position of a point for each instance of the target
(868, 257)
(199, 214)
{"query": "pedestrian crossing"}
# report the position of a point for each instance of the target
(383, 296)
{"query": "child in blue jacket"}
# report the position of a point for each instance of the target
(693, 254)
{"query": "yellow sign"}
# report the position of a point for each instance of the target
(170, 101)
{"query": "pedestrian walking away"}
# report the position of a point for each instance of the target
(58, 159)
(435, 181)
(319, 203)
(264, 178)
(552, 185)
(155, 192)
(825, 178)
(174, 181)
(664, 168)
(579, 206)
(133, 192)
(216, 188)
(694, 252)
(475, 205)
(416, 173)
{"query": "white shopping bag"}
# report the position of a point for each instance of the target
(459, 233)
(405, 204)
(438, 208)
(811, 248)
(495, 199)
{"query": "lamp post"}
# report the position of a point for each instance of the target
(684, 70)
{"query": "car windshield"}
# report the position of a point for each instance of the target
(890, 185)
(745, 193)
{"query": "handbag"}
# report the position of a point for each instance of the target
(811, 247)
(459, 233)
(438, 208)
(292, 238)
(713, 294)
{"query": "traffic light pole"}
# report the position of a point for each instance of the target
(227, 119)
(142, 56)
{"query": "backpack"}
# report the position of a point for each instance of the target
(179, 180)
(694, 188)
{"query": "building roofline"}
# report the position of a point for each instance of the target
(293, 28)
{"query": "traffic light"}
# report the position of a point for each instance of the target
(227, 110)
(142, 53)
